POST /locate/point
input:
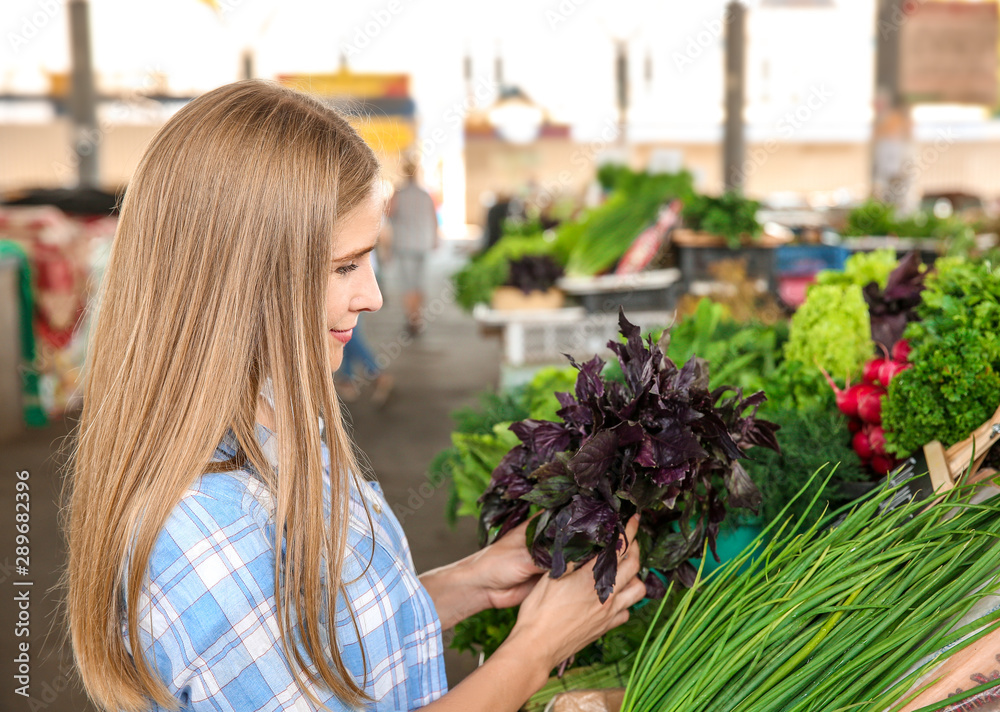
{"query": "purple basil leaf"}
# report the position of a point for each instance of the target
(562, 535)
(655, 588)
(553, 491)
(894, 307)
(543, 437)
(638, 362)
(594, 460)
(594, 519)
(589, 384)
(664, 476)
(670, 446)
(555, 468)
(629, 434)
(693, 375)
(762, 433)
(743, 493)
(685, 574)
(605, 572)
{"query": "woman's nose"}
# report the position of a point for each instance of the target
(369, 297)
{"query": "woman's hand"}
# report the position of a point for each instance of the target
(561, 616)
(504, 570)
(499, 576)
(557, 618)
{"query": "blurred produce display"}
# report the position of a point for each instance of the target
(883, 356)
(65, 258)
(590, 245)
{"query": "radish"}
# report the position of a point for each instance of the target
(876, 438)
(872, 370)
(847, 399)
(901, 351)
(861, 445)
(853, 425)
(869, 402)
(882, 464)
(889, 370)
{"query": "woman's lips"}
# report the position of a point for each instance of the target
(342, 335)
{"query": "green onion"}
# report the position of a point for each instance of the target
(825, 618)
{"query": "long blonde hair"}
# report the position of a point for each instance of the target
(217, 279)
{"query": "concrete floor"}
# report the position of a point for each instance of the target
(440, 371)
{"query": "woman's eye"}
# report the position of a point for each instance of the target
(346, 269)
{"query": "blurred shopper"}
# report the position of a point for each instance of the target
(358, 368)
(226, 551)
(496, 216)
(414, 238)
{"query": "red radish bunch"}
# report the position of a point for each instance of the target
(862, 404)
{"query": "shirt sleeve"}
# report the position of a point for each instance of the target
(208, 620)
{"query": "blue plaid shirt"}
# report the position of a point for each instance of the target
(208, 621)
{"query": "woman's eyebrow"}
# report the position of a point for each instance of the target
(356, 254)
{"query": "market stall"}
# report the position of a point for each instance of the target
(56, 261)
(885, 355)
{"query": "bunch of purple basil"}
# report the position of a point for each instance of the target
(660, 444)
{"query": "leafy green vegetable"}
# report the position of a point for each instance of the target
(475, 282)
(599, 240)
(586, 247)
(871, 218)
(860, 269)
(950, 390)
(798, 386)
(730, 216)
(954, 384)
(484, 632)
(959, 294)
(810, 439)
(876, 218)
(478, 455)
(741, 355)
(540, 393)
(831, 329)
(827, 618)
(503, 407)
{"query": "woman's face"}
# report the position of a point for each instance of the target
(352, 288)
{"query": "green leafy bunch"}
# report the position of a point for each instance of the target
(876, 218)
(872, 217)
(861, 269)
(477, 280)
(730, 215)
(808, 442)
(741, 355)
(954, 383)
(481, 437)
(950, 390)
(832, 329)
(598, 240)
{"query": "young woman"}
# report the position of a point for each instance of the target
(224, 552)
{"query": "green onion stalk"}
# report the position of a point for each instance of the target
(832, 616)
